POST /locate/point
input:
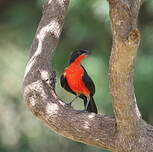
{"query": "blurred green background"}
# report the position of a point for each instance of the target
(87, 26)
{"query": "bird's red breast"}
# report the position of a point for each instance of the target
(74, 73)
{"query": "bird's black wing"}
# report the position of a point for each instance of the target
(65, 85)
(88, 82)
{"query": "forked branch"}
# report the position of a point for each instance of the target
(128, 132)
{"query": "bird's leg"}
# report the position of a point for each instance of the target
(88, 100)
(86, 106)
(73, 100)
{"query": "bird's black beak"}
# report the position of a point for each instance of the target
(88, 52)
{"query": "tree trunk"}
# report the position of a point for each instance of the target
(127, 132)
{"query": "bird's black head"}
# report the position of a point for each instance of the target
(77, 54)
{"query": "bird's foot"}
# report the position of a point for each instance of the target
(80, 111)
(69, 104)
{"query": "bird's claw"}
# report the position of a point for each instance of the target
(69, 104)
(80, 111)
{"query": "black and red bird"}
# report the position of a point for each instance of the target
(76, 80)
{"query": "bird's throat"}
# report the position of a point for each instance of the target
(79, 59)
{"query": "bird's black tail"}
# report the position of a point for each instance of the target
(91, 106)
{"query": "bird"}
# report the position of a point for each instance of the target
(76, 80)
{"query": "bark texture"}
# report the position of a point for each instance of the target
(127, 132)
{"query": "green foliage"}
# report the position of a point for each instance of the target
(87, 26)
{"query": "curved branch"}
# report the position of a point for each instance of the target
(39, 86)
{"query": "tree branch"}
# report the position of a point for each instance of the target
(126, 40)
(128, 132)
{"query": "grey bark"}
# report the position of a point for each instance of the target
(127, 131)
